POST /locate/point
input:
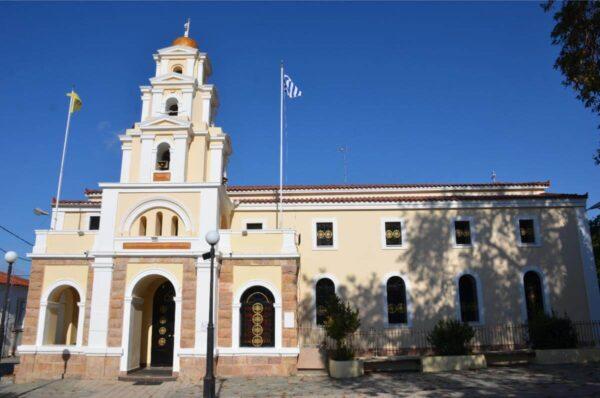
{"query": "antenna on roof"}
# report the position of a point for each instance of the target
(493, 176)
(344, 150)
(187, 28)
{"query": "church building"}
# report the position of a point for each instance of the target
(119, 281)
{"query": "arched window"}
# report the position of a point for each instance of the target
(257, 318)
(172, 107)
(163, 156)
(174, 226)
(143, 223)
(158, 226)
(325, 289)
(396, 301)
(534, 297)
(467, 291)
(62, 317)
(178, 69)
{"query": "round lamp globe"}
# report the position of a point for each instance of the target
(212, 237)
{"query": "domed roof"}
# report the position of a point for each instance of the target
(185, 41)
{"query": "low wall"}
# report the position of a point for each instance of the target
(256, 366)
(574, 355)
(449, 363)
(56, 366)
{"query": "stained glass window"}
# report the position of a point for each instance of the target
(393, 233)
(324, 290)
(469, 307)
(527, 231)
(257, 318)
(324, 234)
(462, 230)
(396, 300)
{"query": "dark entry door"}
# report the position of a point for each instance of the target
(257, 318)
(163, 323)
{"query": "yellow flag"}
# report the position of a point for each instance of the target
(75, 103)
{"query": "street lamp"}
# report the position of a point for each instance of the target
(212, 238)
(10, 258)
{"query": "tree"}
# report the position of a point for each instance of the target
(342, 320)
(577, 32)
(595, 232)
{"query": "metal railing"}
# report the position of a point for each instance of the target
(413, 341)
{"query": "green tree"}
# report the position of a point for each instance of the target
(577, 32)
(342, 320)
(595, 232)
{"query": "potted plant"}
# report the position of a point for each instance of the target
(450, 340)
(342, 320)
(554, 340)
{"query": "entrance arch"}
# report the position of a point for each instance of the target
(151, 321)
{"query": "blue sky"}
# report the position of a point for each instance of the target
(420, 92)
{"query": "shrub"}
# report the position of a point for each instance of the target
(342, 320)
(551, 331)
(451, 337)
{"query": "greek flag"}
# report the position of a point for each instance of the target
(291, 89)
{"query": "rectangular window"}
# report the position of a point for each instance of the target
(393, 233)
(254, 225)
(324, 234)
(94, 223)
(527, 231)
(462, 232)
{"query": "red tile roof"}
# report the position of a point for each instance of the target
(238, 188)
(404, 199)
(76, 202)
(14, 280)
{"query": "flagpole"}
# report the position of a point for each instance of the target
(281, 148)
(62, 162)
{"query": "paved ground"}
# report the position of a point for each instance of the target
(548, 381)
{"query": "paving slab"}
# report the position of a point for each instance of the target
(527, 381)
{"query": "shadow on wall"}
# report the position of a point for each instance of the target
(432, 264)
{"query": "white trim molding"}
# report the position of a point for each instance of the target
(403, 238)
(536, 230)
(545, 291)
(336, 237)
(479, 291)
(409, 304)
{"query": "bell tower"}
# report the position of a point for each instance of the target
(175, 140)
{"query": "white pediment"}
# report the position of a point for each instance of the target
(165, 123)
(177, 50)
(172, 77)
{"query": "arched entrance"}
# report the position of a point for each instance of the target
(151, 309)
(257, 315)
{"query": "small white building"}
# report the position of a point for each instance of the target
(17, 301)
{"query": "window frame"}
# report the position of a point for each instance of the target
(335, 239)
(536, 230)
(247, 221)
(384, 245)
(409, 305)
(479, 291)
(316, 279)
(545, 291)
(471, 221)
(89, 221)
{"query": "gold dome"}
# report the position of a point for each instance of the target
(185, 41)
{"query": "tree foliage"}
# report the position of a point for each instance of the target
(577, 32)
(595, 232)
(451, 337)
(342, 320)
(551, 332)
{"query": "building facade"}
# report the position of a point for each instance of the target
(119, 283)
(15, 311)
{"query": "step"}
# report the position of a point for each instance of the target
(149, 376)
(509, 358)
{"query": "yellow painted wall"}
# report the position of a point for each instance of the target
(255, 243)
(136, 152)
(431, 262)
(196, 160)
(246, 273)
(133, 269)
(75, 273)
(152, 221)
(69, 244)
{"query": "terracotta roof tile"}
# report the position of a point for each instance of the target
(405, 199)
(14, 280)
(239, 188)
(76, 202)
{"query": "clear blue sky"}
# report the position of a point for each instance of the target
(438, 92)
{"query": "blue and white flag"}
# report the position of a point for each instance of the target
(291, 89)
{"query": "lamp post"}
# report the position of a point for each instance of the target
(10, 258)
(212, 238)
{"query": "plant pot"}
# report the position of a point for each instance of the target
(346, 369)
(452, 362)
(566, 355)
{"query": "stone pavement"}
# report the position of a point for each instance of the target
(547, 381)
